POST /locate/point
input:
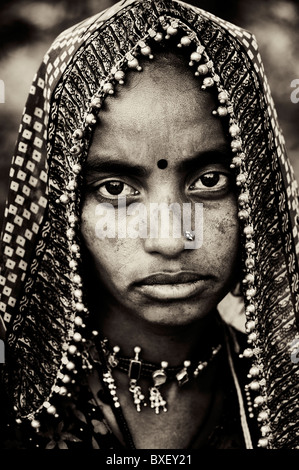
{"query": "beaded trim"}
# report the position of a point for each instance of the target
(160, 374)
(146, 369)
(204, 68)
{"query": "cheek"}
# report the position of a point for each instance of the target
(221, 237)
(111, 256)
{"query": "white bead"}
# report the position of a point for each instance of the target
(72, 185)
(244, 197)
(78, 321)
(250, 325)
(72, 219)
(79, 307)
(252, 337)
(78, 134)
(159, 37)
(259, 400)
(70, 233)
(96, 103)
(241, 179)
(51, 410)
(35, 423)
(254, 385)
(64, 360)
(146, 50)
(251, 292)
(207, 82)
(64, 198)
(195, 57)
(70, 365)
(77, 279)
(78, 293)
(248, 230)
(265, 430)
(171, 31)
(234, 130)
(202, 69)
(249, 262)
(223, 96)
(133, 63)
(222, 111)
(119, 76)
(263, 415)
(236, 145)
(76, 149)
(77, 168)
(185, 41)
(77, 337)
(243, 214)
(108, 88)
(248, 353)
(250, 246)
(263, 442)
(236, 162)
(152, 32)
(66, 379)
(90, 119)
(72, 349)
(250, 278)
(254, 371)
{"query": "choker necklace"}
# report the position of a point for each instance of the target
(161, 373)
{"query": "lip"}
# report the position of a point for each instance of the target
(172, 286)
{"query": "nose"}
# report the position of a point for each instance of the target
(167, 247)
(165, 235)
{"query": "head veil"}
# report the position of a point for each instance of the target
(41, 294)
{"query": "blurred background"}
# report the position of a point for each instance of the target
(27, 29)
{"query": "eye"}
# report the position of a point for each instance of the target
(213, 180)
(115, 189)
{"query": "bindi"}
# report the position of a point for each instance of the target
(162, 164)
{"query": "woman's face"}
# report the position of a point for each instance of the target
(161, 114)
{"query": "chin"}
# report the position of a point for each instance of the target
(174, 315)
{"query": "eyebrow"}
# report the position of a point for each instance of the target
(116, 167)
(221, 154)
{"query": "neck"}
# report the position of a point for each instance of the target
(173, 344)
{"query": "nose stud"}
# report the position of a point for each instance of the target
(189, 236)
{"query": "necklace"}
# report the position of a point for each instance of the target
(161, 373)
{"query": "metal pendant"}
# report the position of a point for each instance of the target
(159, 377)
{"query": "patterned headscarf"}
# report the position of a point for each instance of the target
(41, 293)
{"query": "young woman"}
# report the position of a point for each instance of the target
(118, 333)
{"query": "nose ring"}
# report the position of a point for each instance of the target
(189, 236)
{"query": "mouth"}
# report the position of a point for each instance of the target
(172, 286)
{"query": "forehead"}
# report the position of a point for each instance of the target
(161, 112)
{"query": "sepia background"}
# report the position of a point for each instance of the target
(27, 29)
